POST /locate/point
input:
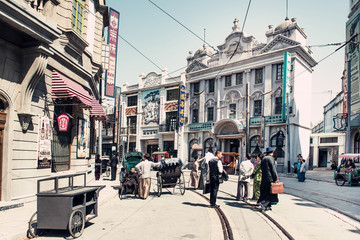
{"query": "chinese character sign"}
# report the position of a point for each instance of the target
(286, 83)
(82, 144)
(113, 37)
(181, 105)
(44, 142)
(63, 122)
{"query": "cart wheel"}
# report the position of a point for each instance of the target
(76, 223)
(340, 180)
(182, 184)
(159, 185)
(33, 230)
(107, 172)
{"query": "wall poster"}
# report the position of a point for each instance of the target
(82, 147)
(44, 142)
(151, 104)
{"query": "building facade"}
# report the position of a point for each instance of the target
(235, 95)
(49, 77)
(149, 115)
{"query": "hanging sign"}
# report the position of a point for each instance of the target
(181, 106)
(339, 123)
(286, 82)
(63, 122)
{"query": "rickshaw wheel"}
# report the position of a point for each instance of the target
(76, 223)
(182, 184)
(340, 180)
(159, 186)
(33, 230)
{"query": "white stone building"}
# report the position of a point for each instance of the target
(149, 114)
(235, 99)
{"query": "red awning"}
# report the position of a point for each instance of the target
(96, 110)
(62, 87)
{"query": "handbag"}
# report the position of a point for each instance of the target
(277, 188)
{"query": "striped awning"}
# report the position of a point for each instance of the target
(62, 87)
(96, 110)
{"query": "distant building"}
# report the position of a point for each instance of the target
(149, 114)
(235, 100)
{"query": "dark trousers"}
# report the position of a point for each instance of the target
(243, 190)
(302, 177)
(214, 187)
(113, 173)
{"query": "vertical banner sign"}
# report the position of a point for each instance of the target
(345, 88)
(117, 106)
(286, 82)
(113, 37)
(44, 142)
(181, 107)
(82, 144)
(352, 53)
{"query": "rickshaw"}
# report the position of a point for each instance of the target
(229, 162)
(343, 175)
(170, 175)
(130, 160)
(157, 156)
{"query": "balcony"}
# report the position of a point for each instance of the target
(167, 127)
(132, 130)
(200, 126)
(268, 120)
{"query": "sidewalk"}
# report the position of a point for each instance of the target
(14, 221)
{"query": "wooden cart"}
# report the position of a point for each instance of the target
(64, 207)
(229, 162)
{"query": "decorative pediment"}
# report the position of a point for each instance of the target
(171, 106)
(232, 96)
(195, 66)
(210, 103)
(279, 42)
(151, 79)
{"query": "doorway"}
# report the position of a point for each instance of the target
(323, 155)
(2, 127)
(152, 148)
(234, 145)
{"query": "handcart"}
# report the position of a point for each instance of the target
(131, 159)
(64, 206)
(170, 175)
(351, 176)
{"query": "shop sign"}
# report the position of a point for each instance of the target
(339, 123)
(181, 107)
(44, 142)
(63, 122)
(286, 82)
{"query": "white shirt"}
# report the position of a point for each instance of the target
(144, 168)
(246, 169)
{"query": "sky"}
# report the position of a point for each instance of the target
(167, 43)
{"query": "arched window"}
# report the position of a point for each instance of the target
(2, 106)
(278, 145)
(192, 152)
(209, 145)
(255, 145)
(357, 143)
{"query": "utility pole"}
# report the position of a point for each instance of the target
(128, 135)
(348, 110)
(288, 131)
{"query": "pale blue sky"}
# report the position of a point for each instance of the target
(167, 43)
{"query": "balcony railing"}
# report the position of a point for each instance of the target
(132, 130)
(268, 119)
(167, 127)
(201, 126)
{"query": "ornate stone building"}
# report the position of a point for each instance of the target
(50, 67)
(235, 95)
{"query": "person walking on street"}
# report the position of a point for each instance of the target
(144, 169)
(256, 175)
(97, 167)
(194, 174)
(302, 171)
(246, 169)
(215, 169)
(298, 165)
(113, 164)
(269, 175)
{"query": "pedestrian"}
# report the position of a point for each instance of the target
(113, 164)
(298, 165)
(269, 175)
(256, 175)
(349, 164)
(131, 182)
(195, 174)
(246, 169)
(144, 169)
(215, 169)
(97, 167)
(302, 171)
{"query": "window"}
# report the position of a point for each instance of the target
(209, 145)
(258, 76)
(329, 140)
(228, 81)
(172, 95)
(196, 87)
(132, 124)
(257, 107)
(78, 15)
(279, 71)
(210, 114)
(278, 105)
(232, 113)
(357, 143)
(195, 116)
(132, 101)
(211, 85)
(239, 78)
(254, 145)
(171, 118)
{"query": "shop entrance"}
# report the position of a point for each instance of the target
(323, 157)
(234, 145)
(152, 148)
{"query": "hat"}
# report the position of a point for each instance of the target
(269, 150)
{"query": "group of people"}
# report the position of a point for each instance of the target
(207, 172)
(99, 166)
(300, 168)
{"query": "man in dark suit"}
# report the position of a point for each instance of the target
(113, 164)
(215, 168)
(269, 175)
